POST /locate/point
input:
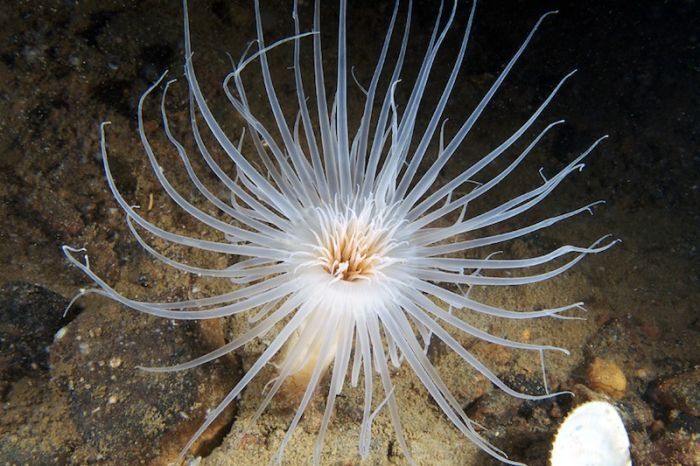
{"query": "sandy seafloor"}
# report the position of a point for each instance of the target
(79, 399)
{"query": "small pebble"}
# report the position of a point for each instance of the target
(657, 426)
(605, 376)
(60, 334)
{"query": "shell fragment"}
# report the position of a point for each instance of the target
(592, 435)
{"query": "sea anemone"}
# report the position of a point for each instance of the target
(351, 253)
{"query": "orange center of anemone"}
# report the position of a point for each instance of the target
(352, 252)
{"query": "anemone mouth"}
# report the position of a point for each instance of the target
(350, 256)
(349, 243)
(352, 250)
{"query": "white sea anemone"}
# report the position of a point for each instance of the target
(344, 234)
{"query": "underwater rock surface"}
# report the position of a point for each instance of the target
(128, 416)
(30, 315)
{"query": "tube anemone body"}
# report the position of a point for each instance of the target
(347, 260)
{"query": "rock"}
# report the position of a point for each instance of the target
(681, 392)
(607, 377)
(29, 317)
(671, 448)
(128, 416)
(520, 427)
(33, 427)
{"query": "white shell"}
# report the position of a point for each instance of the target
(592, 435)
